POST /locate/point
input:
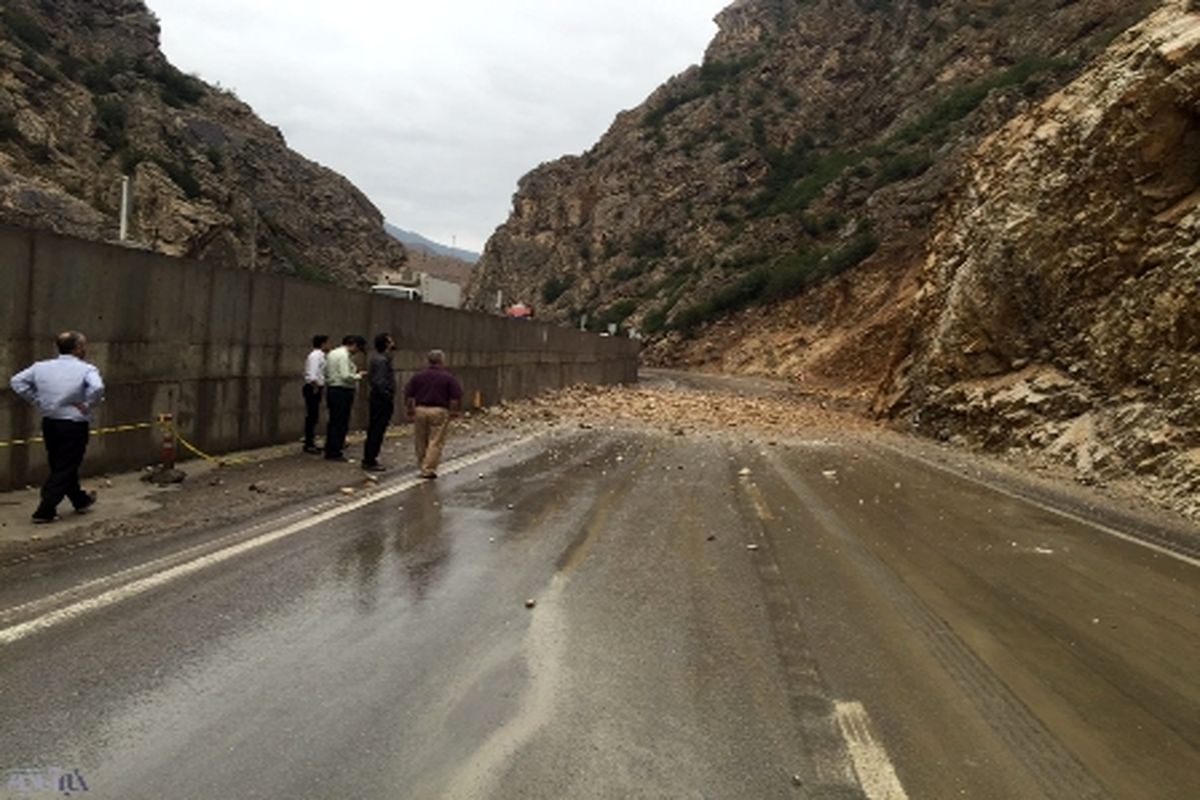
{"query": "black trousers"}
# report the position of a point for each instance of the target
(341, 401)
(382, 408)
(66, 442)
(312, 407)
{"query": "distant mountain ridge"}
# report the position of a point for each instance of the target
(425, 255)
(418, 242)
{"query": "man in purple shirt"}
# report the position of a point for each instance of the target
(432, 396)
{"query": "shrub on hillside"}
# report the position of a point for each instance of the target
(555, 287)
(111, 119)
(98, 78)
(786, 278)
(8, 127)
(714, 75)
(177, 88)
(962, 101)
(649, 245)
(635, 270)
(902, 167)
(182, 177)
(615, 314)
(25, 29)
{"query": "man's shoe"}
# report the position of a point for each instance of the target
(339, 458)
(315, 451)
(86, 507)
(428, 475)
(374, 467)
(39, 519)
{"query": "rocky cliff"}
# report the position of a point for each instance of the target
(86, 96)
(977, 217)
(813, 131)
(1059, 305)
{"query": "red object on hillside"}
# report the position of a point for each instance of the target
(519, 311)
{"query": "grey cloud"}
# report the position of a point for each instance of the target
(436, 110)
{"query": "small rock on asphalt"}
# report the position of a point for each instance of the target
(160, 476)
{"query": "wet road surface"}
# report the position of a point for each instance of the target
(713, 619)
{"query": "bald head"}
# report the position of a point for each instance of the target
(71, 343)
(436, 358)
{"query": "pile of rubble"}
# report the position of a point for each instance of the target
(674, 411)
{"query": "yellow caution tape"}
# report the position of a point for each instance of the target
(393, 433)
(196, 451)
(137, 426)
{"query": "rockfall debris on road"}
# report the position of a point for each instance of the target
(693, 405)
(677, 412)
(767, 410)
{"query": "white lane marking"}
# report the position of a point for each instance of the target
(1100, 526)
(35, 607)
(113, 596)
(875, 773)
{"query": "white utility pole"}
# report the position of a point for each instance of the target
(253, 241)
(124, 208)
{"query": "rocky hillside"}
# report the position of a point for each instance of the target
(86, 96)
(978, 217)
(813, 131)
(1059, 305)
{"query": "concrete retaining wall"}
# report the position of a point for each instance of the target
(224, 349)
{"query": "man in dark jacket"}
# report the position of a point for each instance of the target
(381, 376)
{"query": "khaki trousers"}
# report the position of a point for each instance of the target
(429, 436)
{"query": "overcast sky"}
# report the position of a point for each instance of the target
(436, 109)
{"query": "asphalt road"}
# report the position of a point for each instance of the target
(713, 619)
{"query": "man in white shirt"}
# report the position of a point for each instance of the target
(314, 387)
(65, 390)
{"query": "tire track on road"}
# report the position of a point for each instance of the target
(1058, 771)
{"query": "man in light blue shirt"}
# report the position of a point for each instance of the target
(65, 390)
